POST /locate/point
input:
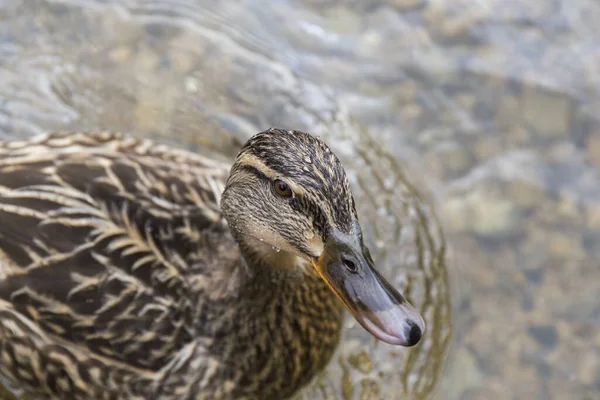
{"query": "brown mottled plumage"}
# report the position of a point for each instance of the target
(120, 277)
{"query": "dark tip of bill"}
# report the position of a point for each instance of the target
(413, 334)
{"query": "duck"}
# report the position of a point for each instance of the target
(133, 270)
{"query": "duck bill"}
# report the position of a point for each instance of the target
(348, 269)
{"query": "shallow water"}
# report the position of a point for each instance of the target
(489, 108)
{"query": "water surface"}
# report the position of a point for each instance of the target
(469, 129)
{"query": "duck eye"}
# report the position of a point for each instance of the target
(283, 189)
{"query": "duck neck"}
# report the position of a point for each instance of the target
(283, 275)
(291, 317)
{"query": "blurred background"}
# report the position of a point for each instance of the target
(470, 130)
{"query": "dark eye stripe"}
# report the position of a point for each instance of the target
(308, 207)
(254, 171)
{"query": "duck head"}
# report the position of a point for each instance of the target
(288, 196)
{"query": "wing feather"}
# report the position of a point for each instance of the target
(97, 233)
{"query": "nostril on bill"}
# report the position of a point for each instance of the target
(413, 333)
(349, 264)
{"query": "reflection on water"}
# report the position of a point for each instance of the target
(490, 107)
